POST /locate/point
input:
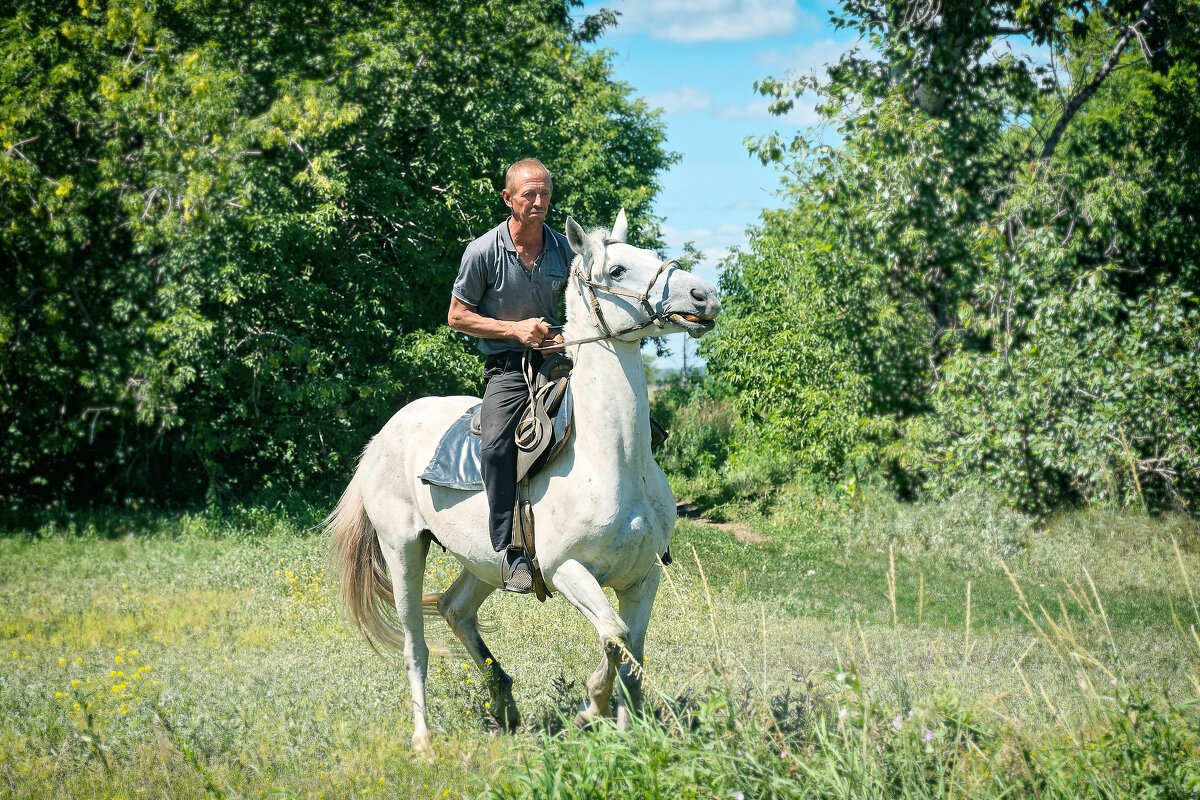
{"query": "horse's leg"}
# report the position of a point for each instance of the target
(405, 555)
(459, 606)
(635, 604)
(583, 591)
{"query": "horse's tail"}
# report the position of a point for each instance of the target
(366, 591)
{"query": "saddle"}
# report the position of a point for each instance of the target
(538, 439)
(455, 462)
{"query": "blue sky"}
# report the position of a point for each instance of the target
(698, 60)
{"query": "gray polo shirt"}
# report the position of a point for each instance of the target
(493, 280)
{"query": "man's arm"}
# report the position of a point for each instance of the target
(465, 319)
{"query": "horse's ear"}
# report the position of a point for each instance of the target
(620, 228)
(578, 239)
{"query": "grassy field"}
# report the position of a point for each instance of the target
(830, 649)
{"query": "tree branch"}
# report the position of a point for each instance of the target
(1076, 102)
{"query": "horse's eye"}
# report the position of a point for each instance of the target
(618, 271)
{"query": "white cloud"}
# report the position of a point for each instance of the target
(805, 58)
(685, 100)
(803, 113)
(714, 243)
(691, 21)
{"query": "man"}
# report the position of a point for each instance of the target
(509, 294)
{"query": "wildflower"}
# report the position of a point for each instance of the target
(926, 735)
(62, 661)
(75, 682)
(58, 694)
(898, 722)
(840, 677)
(843, 713)
(78, 659)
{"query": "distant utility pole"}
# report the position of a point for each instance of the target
(684, 378)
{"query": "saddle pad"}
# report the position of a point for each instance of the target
(455, 463)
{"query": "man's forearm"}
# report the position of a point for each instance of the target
(479, 326)
(465, 319)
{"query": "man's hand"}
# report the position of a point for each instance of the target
(530, 332)
(556, 339)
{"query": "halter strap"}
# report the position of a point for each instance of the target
(587, 289)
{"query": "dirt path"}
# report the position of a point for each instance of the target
(738, 530)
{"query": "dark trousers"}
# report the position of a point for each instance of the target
(504, 401)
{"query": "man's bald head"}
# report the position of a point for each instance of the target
(523, 168)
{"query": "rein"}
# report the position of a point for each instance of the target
(587, 289)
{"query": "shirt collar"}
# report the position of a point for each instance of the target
(548, 238)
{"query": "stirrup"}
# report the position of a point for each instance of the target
(518, 576)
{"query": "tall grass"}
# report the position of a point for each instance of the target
(203, 656)
(865, 734)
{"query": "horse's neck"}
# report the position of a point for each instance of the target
(612, 405)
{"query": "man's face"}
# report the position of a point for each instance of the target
(529, 196)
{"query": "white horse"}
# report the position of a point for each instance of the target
(603, 509)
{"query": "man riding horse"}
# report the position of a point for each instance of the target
(509, 294)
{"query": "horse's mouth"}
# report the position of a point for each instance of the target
(694, 325)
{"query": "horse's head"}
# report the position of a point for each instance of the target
(632, 293)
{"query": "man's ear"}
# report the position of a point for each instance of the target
(620, 228)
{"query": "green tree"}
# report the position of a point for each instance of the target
(989, 277)
(231, 229)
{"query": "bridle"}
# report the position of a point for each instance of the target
(588, 288)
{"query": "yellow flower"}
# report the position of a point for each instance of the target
(62, 661)
(58, 694)
(78, 659)
(75, 682)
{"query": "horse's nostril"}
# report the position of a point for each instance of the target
(699, 296)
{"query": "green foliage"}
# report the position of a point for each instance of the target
(699, 421)
(230, 231)
(991, 277)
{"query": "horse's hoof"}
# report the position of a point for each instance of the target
(422, 745)
(587, 719)
(507, 718)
